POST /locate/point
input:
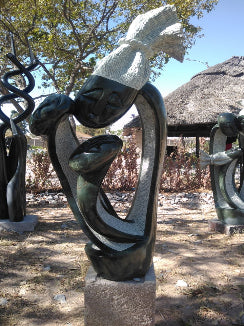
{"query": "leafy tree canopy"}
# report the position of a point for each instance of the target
(69, 36)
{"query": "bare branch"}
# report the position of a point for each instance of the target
(73, 77)
(41, 96)
(51, 76)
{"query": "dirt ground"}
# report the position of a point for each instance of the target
(200, 275)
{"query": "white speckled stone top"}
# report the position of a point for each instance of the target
(156, 30)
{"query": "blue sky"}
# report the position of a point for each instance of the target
(223, 38)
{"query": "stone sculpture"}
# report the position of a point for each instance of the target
(13, 159)
(224, 163)
(120, 249)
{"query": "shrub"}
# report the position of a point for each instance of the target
(123, 173)
(40, 175)
(181, 172)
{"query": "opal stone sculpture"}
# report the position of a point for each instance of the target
(13, 158)
(225, 166)
(119, 249)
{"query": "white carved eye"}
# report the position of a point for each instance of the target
(94, 94)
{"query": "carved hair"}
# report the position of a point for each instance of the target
(156, 30)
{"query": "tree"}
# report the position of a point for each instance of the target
(69, 36)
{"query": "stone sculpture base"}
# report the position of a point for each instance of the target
(127, 303)
(28, 224)
(218, 226)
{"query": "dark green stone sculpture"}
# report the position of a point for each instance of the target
(120, 249)
(13, 157)
(224, 165)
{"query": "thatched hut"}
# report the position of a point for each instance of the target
(193, 108)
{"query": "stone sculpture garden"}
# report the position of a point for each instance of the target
(87, 263)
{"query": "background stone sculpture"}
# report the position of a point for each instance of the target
(13, 159)
(226, 167)
(120, 249)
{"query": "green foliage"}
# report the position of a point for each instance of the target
(41, 175)
(123, 173)
(69, 36)
(181, 171)
(91, 131)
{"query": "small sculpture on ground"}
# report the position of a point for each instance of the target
(13, 158)
(120, 249)
(226, 167)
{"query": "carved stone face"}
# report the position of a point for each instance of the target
(102, 101)
(228, 124)
(44, 118)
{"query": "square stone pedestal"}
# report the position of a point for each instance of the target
(218, 226)
(26, 225)
(128, 303)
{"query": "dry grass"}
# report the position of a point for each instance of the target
(36, 266)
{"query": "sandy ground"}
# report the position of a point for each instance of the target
(200, 275)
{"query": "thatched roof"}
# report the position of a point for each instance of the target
(219, 88)
(194, 107)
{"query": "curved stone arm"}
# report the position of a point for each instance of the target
(15, 92)
(220, 158)
(92, 160)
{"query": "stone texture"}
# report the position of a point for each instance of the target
(218, 226)
(128, 303)
(28, 224)
(154, 31)
(232, 229)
